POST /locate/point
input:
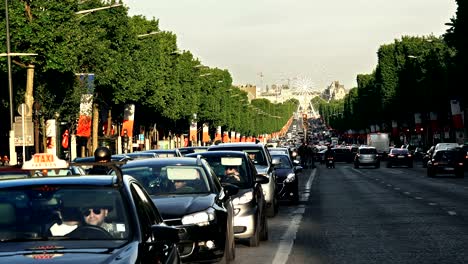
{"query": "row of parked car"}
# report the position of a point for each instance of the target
(157, 208)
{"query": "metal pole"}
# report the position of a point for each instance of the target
(10, 79)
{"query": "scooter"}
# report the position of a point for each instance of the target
(330, 162)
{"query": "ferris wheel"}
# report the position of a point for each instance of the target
(305, 90)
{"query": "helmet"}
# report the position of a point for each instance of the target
(102, 154)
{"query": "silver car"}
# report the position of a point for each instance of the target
(366, 156)
(264, 164)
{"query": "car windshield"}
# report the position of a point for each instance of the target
(220, 169)
(168, 179)
(62, 212)
(255, 154)
(285, 162)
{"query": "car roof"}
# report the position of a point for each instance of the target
(89, 180)
(231, 153)
(166, 161)
(249, 145)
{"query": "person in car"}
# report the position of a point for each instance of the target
(96, 216)
(231, 175)
(70, 220)
(181, 186)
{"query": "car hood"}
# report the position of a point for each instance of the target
(283, 173)
(126, 254)
(261, 169)
(176, 206)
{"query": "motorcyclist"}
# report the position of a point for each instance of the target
(330, 153)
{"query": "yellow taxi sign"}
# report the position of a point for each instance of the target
(45, 161)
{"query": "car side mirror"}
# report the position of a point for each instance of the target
(165, 234)
(298, 168)
(230, 189)
(262, 179)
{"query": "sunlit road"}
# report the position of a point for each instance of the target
(367, 215)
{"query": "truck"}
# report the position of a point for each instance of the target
(380, 141)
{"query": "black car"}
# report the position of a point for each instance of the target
(82, 219)
(193, 149)
(343, 154)
(165, 153)
(399, 157)
(190, 197)
(287, 178)
(446, 161)
(250, 220)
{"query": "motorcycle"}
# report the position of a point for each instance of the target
(330, 162)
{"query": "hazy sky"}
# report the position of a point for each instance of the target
(316, 40)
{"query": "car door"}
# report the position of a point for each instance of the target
(152, 251)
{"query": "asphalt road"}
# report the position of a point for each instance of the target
(367, 215)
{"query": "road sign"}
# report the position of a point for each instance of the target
(25, 108)
(28, 137)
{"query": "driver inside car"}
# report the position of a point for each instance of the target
(96, 216)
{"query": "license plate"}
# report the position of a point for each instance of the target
(449, 169)
(401, 157)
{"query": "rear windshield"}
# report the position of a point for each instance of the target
(447, 155)
(368, 151)
(399, 151)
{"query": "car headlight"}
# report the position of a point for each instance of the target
(245, 198)
(201, 218)
(290, 178)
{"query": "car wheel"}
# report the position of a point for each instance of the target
(273, 209)
(229, 247)
(460, 174)
(356, 166)
(389, 165)
(254, 240)
(377, 165)
(410, 165)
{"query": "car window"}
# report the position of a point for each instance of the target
(368, 151)
(399, 151)
(145, 211)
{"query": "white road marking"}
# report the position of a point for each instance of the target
(397, 189)
(407, 193)
(433, 204)
(452, 212)
(287, 239)
(418, 198)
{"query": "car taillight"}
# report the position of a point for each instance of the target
(409, 155)
(391, 155)
(460, 164)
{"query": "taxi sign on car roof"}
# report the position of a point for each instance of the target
(45, 161)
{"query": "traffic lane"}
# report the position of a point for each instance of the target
(281, 229)
(445, 192)
(352, 218)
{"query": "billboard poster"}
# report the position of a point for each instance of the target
(86, 81)
(129, 117)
